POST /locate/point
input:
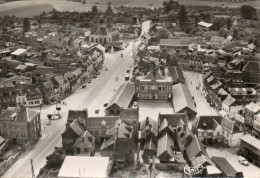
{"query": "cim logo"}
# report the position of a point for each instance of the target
(193, 170)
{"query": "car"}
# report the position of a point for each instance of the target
(127, 71)
(89, 81)
(95, 76)
(105, 105)
(83, 86)
(122, 55)
(106, 69)
(97, 111)
(243, 161)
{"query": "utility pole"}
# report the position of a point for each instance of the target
(33, 176)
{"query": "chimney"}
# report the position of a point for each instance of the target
(22, 108)
(86, 117)
(147, 121)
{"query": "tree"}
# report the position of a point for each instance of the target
(169, 6)
(94, 9)
(235, 34)
(163, 34)
(182, 15)
(26, 25)
(248, 12)
(229, 24)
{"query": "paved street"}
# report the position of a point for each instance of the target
(92, 97)
(203, 107)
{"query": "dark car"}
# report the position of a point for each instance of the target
(97, 111)
(122, 55)
(105, 105)
(89, 81)
(84, 86)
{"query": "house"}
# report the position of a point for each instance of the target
(165, 147)
(256, 126)
(176, 74)
(19, 54)
(33, 94)
(80, 115)
(153, 86)
(85, 167)
(209, 129)
(250, 148)
(228, 102)
(251, 72)
(121, 145)
(177, 43)
(182, 100)
(58, 81)
(20, 124)
(251, 111)
(72, 132)
(85, 144)
(224, 166)
(50, 92)
(231, 132)
(5, 52)
(122, 98)
(204, 25)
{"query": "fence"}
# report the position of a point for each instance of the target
(8, 163)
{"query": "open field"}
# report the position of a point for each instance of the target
(27, 11)
(29, 8)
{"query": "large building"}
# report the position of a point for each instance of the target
(21, 124)
(105, 33)
(153, 86)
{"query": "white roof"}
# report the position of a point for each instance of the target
(19, 51)
(251, 140)
(84, 166)
(205, 24)
(213, 170)
(253, 107)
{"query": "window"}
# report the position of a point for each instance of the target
(217, 133)
(142, 87)
(227, 134)
(210, 134)
(163, 88)
(160, 88)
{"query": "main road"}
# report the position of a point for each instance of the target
(93, 97)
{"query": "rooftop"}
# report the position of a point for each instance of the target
(85, 167)
(251, 141)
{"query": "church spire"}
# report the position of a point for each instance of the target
(109, 14)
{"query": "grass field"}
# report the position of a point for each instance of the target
(29, 8)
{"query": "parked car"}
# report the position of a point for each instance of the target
(243, 161)
(89, 81)
(127, 71)
(105, 105)
(97, 111)
(83, 86)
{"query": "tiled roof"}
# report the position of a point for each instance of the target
(252, 66)
(79, 115)
(22, 114)
(230, 125)
(195, 148)
(85, 139)
(76, 127)
(209, 122)
(229, 100)
(123, 96)
(149, 144)
(181, 98)
(223, 164)
(176, 74)
(165, 144)
(158, 76)
(173, 119)
(99, 31)
(151, 123)
(49, 85)
(201, 160)
(221, 91)
(129, 113)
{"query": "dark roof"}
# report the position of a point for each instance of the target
(176, 74)
(85, 139)
(79, 115)
(76, 127)
(252, 66)
(149, 144)
(101, 122)
(201, 160)
(123, 96)
(173, 119)
(181, 98)
(150, 122)
(158, 76)
(223, 164)
(177, 42)
(209, 122)
(229, 100)
(165, 144)
(49, 85)
(195, 148)
(21, 114)
(129, 113)
(99, 31)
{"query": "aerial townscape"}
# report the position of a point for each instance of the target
(129, 88)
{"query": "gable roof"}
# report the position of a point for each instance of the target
(48, 85)
(253, 107)
(173, 119)
(176, 74)
(230, 125)
(123, 96)
(205, 24)
(85, 139)
(158, 76)
(209, 122)
(150, 122)
(149, 144)
(177, 42)
(101, 122)
(251, 140)
(100, 30)
(195, 148)
(79, 115)
(165, 144)
(181, 98)
(22, 114)
(223, 164)
(221, 91)
(229, 100)
(19, 52)
(252, 66)
(202, 159)
(76, 127)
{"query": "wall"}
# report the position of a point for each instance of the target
(8, 163)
